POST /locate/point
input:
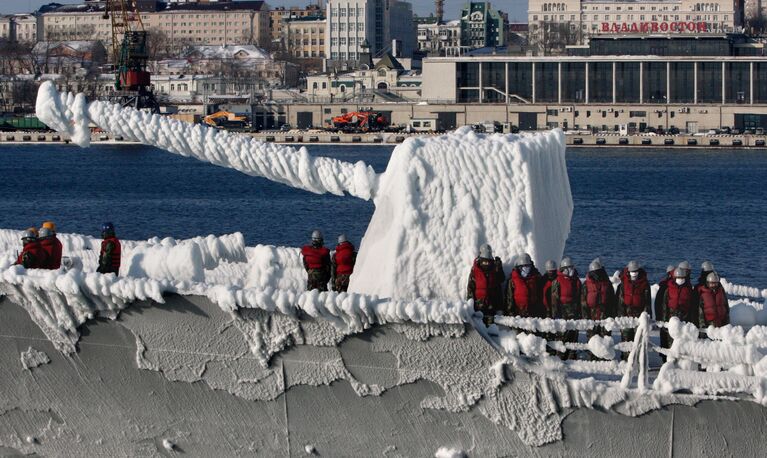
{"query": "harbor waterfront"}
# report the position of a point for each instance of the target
(573, 139)
(649, 203)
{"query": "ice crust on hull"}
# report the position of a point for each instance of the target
(358, 396)
(438, 201)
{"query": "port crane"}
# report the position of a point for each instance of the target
(130, 55)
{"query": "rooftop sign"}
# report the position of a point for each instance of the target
(654, 27)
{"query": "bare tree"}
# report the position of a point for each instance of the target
(554, 37)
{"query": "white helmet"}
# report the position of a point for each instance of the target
(684, 265)
(713, 277)
(523, 259)
(341, 238)
(632, 266)
(550, 265)
(707, 266)
(670, 268)
(566, 262)
(44, 232)
(680, 272)
(317, 235)
(595, 265)
(485, 252)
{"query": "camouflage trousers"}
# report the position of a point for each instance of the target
(341, 282)
(568, 312)
(488, 310)
(317, 279)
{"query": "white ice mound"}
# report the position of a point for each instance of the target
(443, 197)
(283, 164)
(438, 201)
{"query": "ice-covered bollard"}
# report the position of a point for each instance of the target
(438, 201)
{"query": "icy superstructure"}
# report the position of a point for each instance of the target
(438, 201)
(71, 114)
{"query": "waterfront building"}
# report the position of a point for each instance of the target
(175, 24)
(482, 26)
(386, 80)
(304, 38)
(5, 28)
(352, 23)
(22, 28)
(280, 16)
(439, 39)
(556, 24)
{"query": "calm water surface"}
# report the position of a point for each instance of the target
(658, 206)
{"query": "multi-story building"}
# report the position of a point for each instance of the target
(278, 18)
(305, 37)
(555, 25)
(23, 28)
(482, 26)
(694, 84)
(440, 39)
(5, 28)
(352, 23)
(175, 24)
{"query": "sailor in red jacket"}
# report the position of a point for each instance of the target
(597, 298)
(48, 244)
(343, 261)
(714, 309)
(633, 297)
(486, 284)
(546, 280)
(111, 251)
(523, 294)
(566, 301)
(677, 302)
(317, 263)
(57, 250)
(662, 285)
(32, 254)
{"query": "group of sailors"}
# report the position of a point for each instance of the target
(559, 293)
(322, 268)
(41, 249)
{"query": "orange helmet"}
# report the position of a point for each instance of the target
(49, 225)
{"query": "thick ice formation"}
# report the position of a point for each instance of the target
(441, 198)
(438, 201)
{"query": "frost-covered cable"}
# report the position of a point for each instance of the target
(71, 114)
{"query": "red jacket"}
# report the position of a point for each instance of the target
(714, 307)
(598, 296)
(114, 263)
(344, 258)
(53, 251)
(546, 293)
(634, 296)
(678, 300)
(316, 258)
(524, 297)
(33, 256)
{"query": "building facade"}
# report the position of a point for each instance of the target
(555, 25)
(352, 23)
(305, 37)
(177, 24)
(482, 26)
(691, 93)
(278, 18)
(22, 28)
(440, 39)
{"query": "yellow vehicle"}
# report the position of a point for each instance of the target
(226, 119)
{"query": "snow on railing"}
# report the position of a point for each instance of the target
(728, 360)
